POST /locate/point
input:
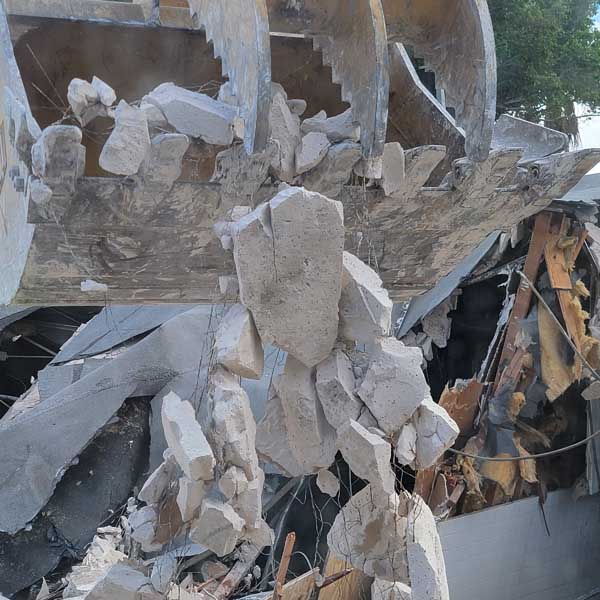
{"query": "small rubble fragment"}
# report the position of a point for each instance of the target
(279, 249)
(195, 114)
(328, 483)
(89, 286)
(106, 94)
(155, 117)
(233, 482)
(163, 573)
(436, 432)
(144, 522)
(218, 527)
(426, 564)
(158, 482)
(84, 101)
(367, 455)
(238, 345)
(213, 569)
(247, 503)
(393, 168)
(311, 151)
(390, 590)
(365, 306)
(285, 130)
(189, 497)
(394, 385)
(405, 447)
(338, 129)
(297, 106)
(186, 438)
(125, 583)
(334, 171)
(128, 143)
(335, 387)
(162, 165)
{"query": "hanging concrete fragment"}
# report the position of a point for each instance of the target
(311, 151)
(365, 306)
(186, 438)
(285, 130)
(128, 143)
(328, 483)
(335, 385)
(367, 455)
(283, 250)
(162, 165)
(337, 129)
(394, 385)
(238, 345)
(218, 527)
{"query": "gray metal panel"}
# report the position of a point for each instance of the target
(504, 553)
(587, 190)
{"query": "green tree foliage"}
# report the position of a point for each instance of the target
(548, 59)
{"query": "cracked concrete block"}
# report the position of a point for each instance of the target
(125, 583)
(405, 446)
(144, 523)
(286, 251)
(195, 114)
(392, 168)
(272, 439)
(106, 94)
(285, 130)
(84, 101)
(394, 385)
(338, 129)
(365, 306)
(154, 116)
(248, 502)
(128, 143)
(238, 344)
(389, 590)
(158, 482)
(335, 385)
(233, 482)
(164, 571)
(436, 432)
(218, 527)
(56, 158)
(370, 533)
(366, 419)
(162, 165)
(312, 440)
(367, 455)
(426, 564)
(227, 418)
(334, 171)
(189, 497)
(186, 438)
(328, 483)
(311, 151)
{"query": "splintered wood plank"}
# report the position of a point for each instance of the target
(355, 586)
(301, 588)
(556, 260)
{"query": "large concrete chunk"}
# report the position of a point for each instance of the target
(311, 151)
(426, 564)
(370, 533)
(312, 440)
(394, 385)
(365, 306)
(367, 455)
(335, 387)
(334, 171)
(128, 143)
(337, 129)
(186, 438)
(238, 345)
(194, 114)
(436, 432)
(288, 256)
(162, 165)
(285, 130)
(389, 590)
(218, 527)
(125, 583)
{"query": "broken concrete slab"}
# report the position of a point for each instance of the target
(392, 168)
(128, 143)
(338, 129)
(218, 527)
(367, 455)
(426, 566)
(189, 497)
(186, 438)
(394, 385)
(328, 483)
(294, 242)
(436, 432)
(334, 171)
(311, 151)
(335, 385)
(144, 524)
(159, 481)
(124, 582)
(162, 165)
(312, 440)
(365, 306)
(58, 158)
(285, 130)
(405, 446)
(195, 114)
(370, 533)
(238, 344)
(389, 590)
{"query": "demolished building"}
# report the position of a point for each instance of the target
(228, 394)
